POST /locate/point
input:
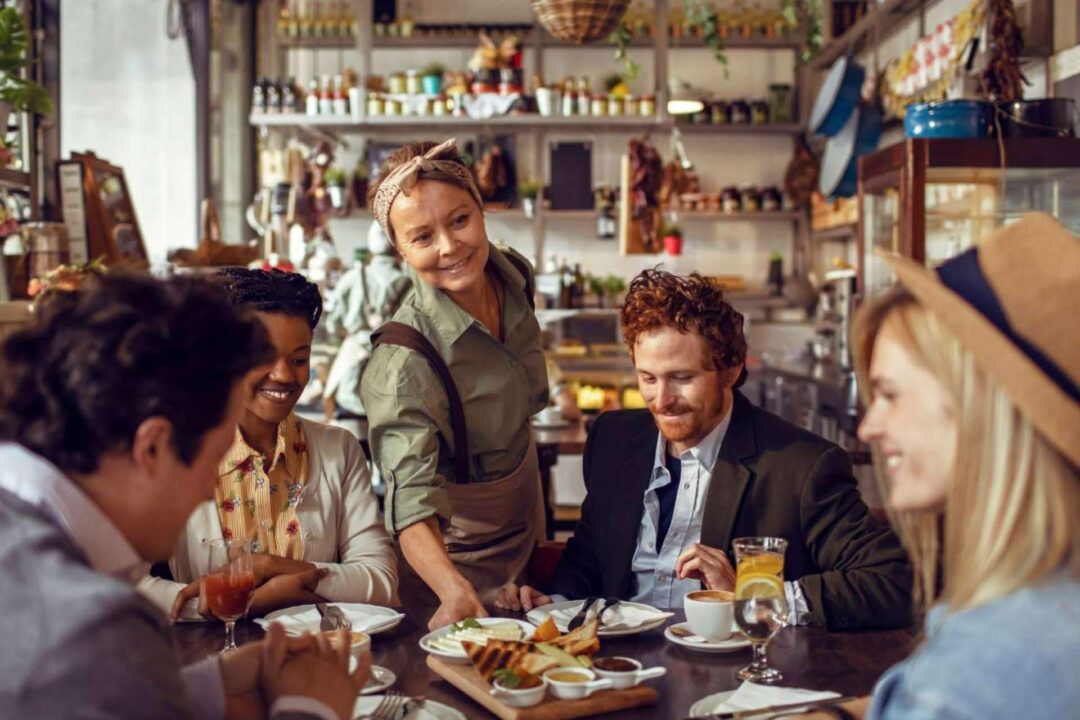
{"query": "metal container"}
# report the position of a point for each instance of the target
(48, 245)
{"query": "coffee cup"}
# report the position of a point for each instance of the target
(550, 415)
(710, 613)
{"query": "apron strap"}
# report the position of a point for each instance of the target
(395, 333)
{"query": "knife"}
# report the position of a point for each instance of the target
(579, 619)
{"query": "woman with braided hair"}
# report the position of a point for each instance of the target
(450, 387)
(299, 491)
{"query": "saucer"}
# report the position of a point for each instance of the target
(381, 678)
(736, 642)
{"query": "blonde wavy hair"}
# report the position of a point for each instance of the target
(1011, 511)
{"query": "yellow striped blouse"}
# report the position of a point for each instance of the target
(257, 497)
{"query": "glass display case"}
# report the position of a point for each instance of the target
(932, 199)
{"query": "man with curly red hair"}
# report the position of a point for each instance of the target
(670, 487)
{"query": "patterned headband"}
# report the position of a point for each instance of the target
(404, 178)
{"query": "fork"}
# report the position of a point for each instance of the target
(388, 708)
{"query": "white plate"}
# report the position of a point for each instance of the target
(461, 657)
(381, 678)
(372, 619)
(709, 703)
(733, 643)
(428, 710)
(555, 425)
(539, 614)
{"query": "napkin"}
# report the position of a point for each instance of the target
(305, 618)
(751, 696)
(622, 616)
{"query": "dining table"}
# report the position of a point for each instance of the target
(847, 662)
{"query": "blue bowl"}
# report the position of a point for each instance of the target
(948, 119)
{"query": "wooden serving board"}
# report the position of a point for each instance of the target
(466, 679)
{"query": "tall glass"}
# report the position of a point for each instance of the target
(760, 603)
(230, 585)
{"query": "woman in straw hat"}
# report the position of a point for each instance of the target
(974, 412)
(450, 387)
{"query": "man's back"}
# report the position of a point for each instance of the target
(76, 643)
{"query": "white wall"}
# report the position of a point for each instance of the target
(127, 94)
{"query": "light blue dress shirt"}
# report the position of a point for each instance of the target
(656, 583)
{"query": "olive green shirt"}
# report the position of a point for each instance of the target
(501, 384)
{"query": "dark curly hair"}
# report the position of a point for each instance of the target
(95, 363)
(691, 304)
(407, 152)
(274, 291)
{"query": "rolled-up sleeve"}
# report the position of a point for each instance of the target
(402, 401)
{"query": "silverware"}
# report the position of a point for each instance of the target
(579, 619)
(390, 707)
(326, 623)
(774, 709)
(332, 618)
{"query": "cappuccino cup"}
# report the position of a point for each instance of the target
(710, 613)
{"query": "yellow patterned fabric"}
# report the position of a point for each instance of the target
(257, 497)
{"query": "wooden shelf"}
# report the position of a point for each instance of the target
(14, 178)
(741, 129)
(334, 43)
(547, 41)
(760, 216)
(838, 232)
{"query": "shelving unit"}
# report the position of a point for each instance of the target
(535, 43)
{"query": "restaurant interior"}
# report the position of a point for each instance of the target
(781, 149)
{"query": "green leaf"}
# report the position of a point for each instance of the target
(472, 623)
(508, 678)
(14, 37)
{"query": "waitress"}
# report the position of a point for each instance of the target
(451, 385)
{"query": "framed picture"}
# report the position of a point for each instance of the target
(112, 228)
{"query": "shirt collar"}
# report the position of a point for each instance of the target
(290, 445)
(449, 320)
(705, 452)
(38, 482)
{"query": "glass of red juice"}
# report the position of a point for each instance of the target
(230, 585)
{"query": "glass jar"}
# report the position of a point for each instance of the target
(631, 105)
(780, 103)
(439, 108)
(770, 199)
(393, 107)
(718, 113)
(730, 199)
(398, 84)
(648, 105)
(614, 106)
(412, 82)
(425, 106)
(751, 199)
(739, 112)
(599, 107)
(759, 112)
(376, 105)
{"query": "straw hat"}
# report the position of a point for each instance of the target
(1014, 302)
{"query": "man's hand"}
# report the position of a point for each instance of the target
(460, 603)
(512, 597)
(707, 564)
(317, 671)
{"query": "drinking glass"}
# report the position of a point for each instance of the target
(760, 602)
(230, 585)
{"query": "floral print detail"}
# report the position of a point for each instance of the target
(258, 501)
(227, 533)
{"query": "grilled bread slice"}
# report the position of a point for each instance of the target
(496, 655)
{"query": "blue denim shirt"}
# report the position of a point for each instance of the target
(1016, 657)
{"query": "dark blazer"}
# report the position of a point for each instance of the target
(772, 479)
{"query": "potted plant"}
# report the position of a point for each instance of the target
(335, 185)
(672, 235)
(431, 78)
(529, 191)
(614, 286)
(16, 92)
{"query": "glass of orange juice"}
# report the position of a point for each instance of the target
(760, 602)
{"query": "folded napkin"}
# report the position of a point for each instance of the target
(751, 696)
(623, 616)
(306, 618)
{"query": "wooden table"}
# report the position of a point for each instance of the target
(848, 663)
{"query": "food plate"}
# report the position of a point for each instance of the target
(427, 642)
(733, 643)
(381, 679)
(372, 619)
(709, 703)
(565, 610)
(427, 710)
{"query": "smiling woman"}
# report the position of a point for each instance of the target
(451, 385)
(285, 483)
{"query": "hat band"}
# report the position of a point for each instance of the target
(963, 275)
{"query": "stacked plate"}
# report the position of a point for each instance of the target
(852, 126)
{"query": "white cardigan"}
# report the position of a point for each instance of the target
(340, 520)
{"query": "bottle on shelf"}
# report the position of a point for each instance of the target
(569, 99)
(566, 284)
(326, 97)
(311, 106)
(584, 97)
(258, 97)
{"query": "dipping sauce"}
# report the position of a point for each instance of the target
(568, 676)
(615, 664)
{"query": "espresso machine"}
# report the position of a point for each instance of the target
(835, 307)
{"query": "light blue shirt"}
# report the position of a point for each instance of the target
(656, 583)
(1015, 657)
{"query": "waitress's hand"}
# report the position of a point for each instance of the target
(512, 597)
(460, 603)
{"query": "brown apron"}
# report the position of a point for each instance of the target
(494, 525)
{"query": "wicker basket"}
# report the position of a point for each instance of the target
(580, 21)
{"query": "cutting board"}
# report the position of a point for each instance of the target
(466, 679)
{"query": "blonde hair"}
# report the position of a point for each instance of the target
(1011, 508)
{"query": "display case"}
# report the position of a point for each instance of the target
(932, 199)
